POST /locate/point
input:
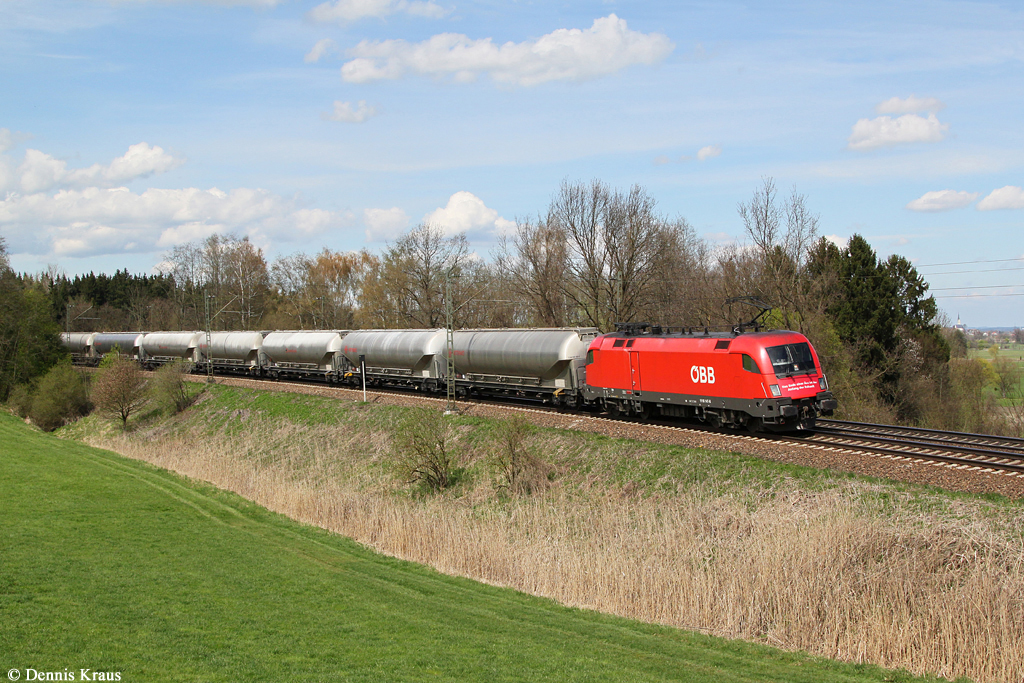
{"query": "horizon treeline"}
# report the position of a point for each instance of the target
(597, 256)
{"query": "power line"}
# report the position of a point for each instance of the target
(971, 272)
(971, 296)
(964, 263)
(946, 289)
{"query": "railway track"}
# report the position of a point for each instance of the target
(961, 451)
(956, 449)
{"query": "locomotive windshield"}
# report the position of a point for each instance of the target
(791, 359)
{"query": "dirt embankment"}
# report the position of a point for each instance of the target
(953, 478)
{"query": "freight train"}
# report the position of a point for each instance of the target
(768, 381)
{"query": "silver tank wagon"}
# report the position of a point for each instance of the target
(128, 342)
(297, 349)
(543, 354)
(78, 343)
(167, 345)
(236, 348)
(405, 350)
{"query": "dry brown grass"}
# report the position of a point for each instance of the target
(828, 572)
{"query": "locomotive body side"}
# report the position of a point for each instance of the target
(722, 379)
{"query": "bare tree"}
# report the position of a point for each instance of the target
(579, 212)
(120, 389)
(634, 237)
(428, 449)
(186, 267)
(245, 278)
(778, 273)
(407, 288)
(533, 263)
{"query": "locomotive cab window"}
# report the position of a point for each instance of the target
(791, 359)
(590, 357)
(749, 365)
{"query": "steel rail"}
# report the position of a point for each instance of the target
(961, 437)
(965, 447)
(860, 440)
(978, 462)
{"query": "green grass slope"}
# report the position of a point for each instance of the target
(112, 565)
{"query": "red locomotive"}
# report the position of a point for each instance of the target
(759, 380)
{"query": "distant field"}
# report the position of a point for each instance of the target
(113, 565)
(1013, 352)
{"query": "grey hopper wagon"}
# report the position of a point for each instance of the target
(79, 344)
(302, 354)
(165, 347)
(533, 363)
(398, 357)
(233, 352)
(129, 343)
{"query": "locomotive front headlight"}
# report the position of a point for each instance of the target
(822, 383)
(775, 390)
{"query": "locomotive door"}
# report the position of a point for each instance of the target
(634, 370)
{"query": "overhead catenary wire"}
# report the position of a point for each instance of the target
(964, 263)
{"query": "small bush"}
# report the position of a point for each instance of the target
(170, 389)
(428, 449)
(20, 400)
(519, 471)
(61, 396)
(119, 389)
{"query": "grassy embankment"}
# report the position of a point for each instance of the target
(808, 560)
(113, 565)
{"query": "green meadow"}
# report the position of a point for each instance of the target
(113, 565)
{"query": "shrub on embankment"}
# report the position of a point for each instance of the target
(858, 570)
(55, 399)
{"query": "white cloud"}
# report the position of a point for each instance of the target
(564, 54)
(709, 152)
(465, 212)
(1009, 197)
(322, 47)
(910, 105)
(346, 11)
(661, 160)
(6, 140)
(384, 224)
(942, 200)
(841, 242)
(110, 221)
(257, 4)
(721, 238)
(344, 111)
(885, 131)
(40, 171)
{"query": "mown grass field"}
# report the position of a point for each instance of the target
(1012, 352)
(111, 564)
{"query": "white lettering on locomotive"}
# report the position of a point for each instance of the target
(700, 374)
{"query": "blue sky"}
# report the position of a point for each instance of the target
(128, 127)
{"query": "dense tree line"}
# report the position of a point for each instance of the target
(29, 333)
(597, 256)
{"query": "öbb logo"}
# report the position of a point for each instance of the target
(700, 374)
